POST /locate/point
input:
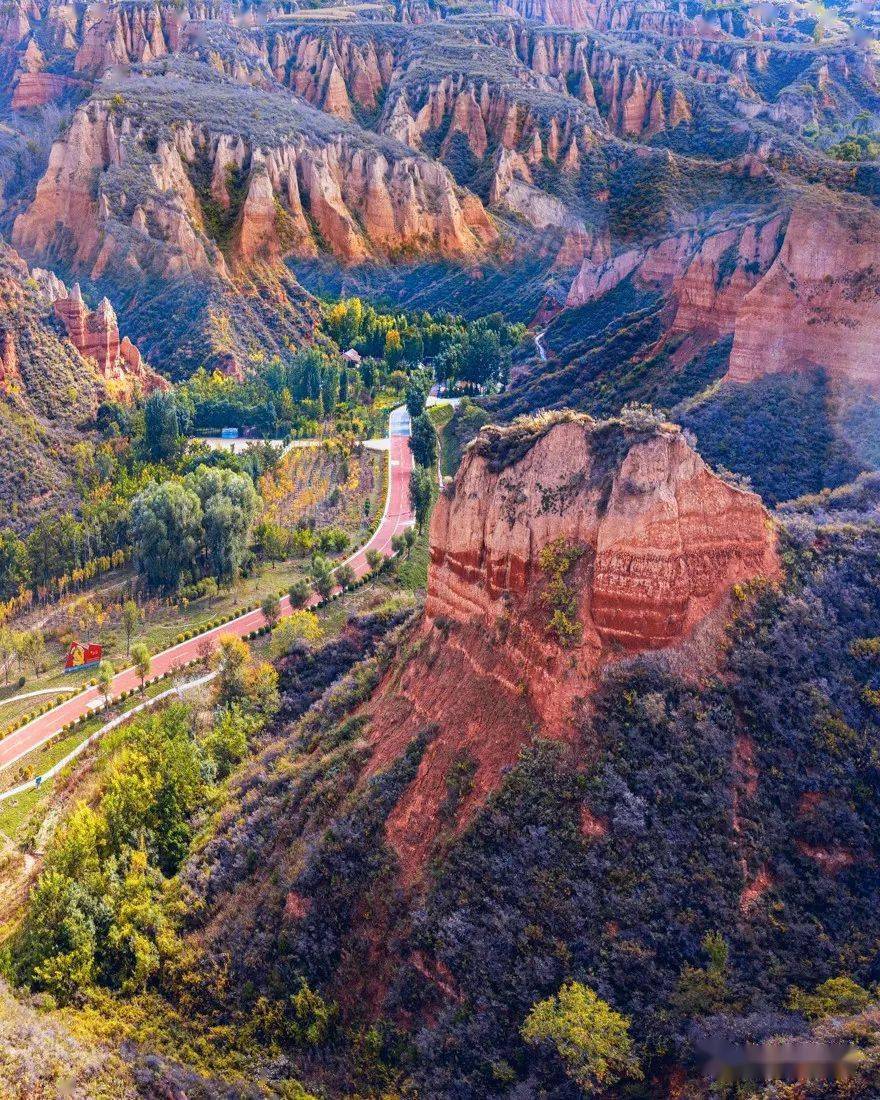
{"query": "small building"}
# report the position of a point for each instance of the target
(351, 357)
(229, 433)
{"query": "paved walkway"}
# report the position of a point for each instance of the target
(396, 518)
(37, 781)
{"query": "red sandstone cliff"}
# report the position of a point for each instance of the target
(819, 303)
(95, 335)
(311, 191)
(707, 273)
(659, 542)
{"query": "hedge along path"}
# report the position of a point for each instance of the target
(396, 518)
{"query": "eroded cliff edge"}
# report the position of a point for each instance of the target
(563, 545)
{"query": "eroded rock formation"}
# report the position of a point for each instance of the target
(650, 542)
(95, 335)
(819, 303)
(706, 272)
(303, 192)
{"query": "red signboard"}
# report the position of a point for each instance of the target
(82, 655)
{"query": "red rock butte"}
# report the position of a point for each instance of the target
(662, 538)
(660, 542)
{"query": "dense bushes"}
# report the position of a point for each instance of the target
(621, 862)
(475, 352)
(97, 914)
(642, 902)
(778, 431)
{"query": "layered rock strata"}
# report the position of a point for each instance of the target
(651, 543)
(818, 305)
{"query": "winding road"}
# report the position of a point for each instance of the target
(396, 518)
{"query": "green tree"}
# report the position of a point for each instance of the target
(421, 492)
(142, 662)
(54, 547)
(56, 950)
(271, 608)
(33, 645)
(130, 619)
(153, 783)
(105, 679)
(164, 425)
(261, 696)
(393, 351)
(271, 541)
(166, 532)
(7, 650)
(375, 560)
(300, 626)
(140, 938)
(344, 576)
(703, 990)
(839, 996)
(330, 388)
(14, 565)
(322, 575)
(227, 741)
(423, 441)
(312, 1018)
(232, 658)
(415, 400)
(591, 1039)
(483, 360)
(299, 593)
(413, 346)
(304, 374)
(229, 504)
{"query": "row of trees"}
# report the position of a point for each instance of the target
(425, 450)
(57, 555)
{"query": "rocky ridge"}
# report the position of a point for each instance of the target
(818, 304)
(305, 181)
(49, 395)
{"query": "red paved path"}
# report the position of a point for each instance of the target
(396, 519)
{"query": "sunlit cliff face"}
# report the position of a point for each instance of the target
(557, 550)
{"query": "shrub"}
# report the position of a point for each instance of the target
(835, 997)
(590, 1038)
(556, 560)
(345, 576)
(300, 626)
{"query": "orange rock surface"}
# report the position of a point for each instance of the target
(37, 89)
(364, 202)
(660, 539)
(95, 335)
(819, 303)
